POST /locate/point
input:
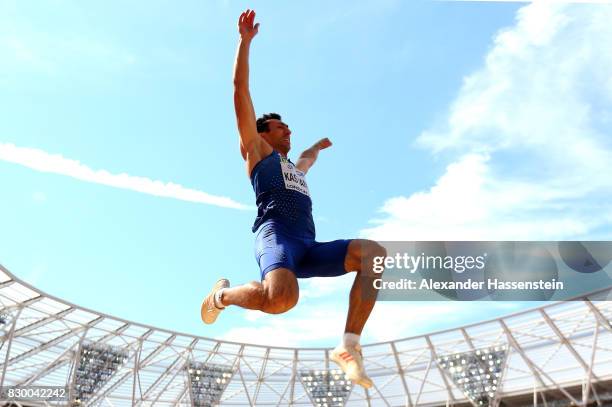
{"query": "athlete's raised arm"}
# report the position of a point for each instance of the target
(309, 156)
(245, 113)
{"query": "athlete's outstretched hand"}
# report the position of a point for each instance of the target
(323, 143)
(245, 25)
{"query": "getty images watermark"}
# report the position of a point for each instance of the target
(469, 271)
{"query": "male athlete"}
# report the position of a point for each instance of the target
(285, 245)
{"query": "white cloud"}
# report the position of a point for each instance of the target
(470, 202)
(252, 316)
(397, 320)
(320, 287)
(528, 138)
(303, 325)
(322, 322)
(43, 161)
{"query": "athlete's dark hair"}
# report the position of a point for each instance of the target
(262, 126)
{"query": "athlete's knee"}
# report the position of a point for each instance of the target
(280, 292)
(364, 254)
(277, 303)
(374, 256)
(374, 249)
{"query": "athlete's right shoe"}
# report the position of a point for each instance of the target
(350, 360)
(209, 311)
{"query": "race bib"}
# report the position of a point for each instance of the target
(294, 178)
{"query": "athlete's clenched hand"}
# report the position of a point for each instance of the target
(323, 143)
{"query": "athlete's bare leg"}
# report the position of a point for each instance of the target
(278, 293)
(347, 355)
(359, 257)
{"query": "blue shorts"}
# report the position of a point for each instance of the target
(277, 246)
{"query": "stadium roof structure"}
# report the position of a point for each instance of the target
(555, 355)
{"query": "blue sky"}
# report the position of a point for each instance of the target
(123, 189)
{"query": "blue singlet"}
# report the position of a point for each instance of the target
(285, 231)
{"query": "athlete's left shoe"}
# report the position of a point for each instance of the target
(350, 360)
(209, 311)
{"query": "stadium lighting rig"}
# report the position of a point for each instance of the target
(3, 318)
(327, 388)
(207, 382)
(96, 365)
(477, 373)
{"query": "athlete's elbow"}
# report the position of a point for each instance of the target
(240, 84)
(309, 154)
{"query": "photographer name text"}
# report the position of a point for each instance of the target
(469, 284)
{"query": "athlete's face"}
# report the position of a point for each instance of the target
(278, 136)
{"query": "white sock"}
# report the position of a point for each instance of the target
(218, 301)
(350, 339)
